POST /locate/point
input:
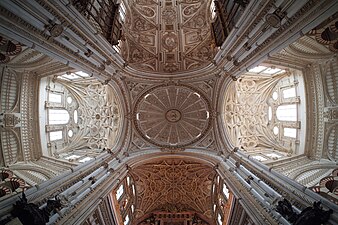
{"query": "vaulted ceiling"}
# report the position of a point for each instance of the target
(173, 185)
(172, 116)
(171, 37)
(167, 36)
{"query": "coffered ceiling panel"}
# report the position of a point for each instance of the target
(168, 36)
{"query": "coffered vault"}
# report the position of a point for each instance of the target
(163, 36)
(168, 112)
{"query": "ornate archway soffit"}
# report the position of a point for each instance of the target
(173, 185)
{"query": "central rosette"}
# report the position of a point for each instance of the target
(172, 115)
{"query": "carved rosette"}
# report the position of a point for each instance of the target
(172, 116)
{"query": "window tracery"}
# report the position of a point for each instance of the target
(222, 200)
(124, 198)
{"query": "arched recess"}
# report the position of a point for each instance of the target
(328, 187)
(11, 150)
(32, 173)
(170, 179)
(256, 112)
(92, 118)
(4, 190)
(10, 89)
(310, 175)
(11, 184)
(5, 173)
(331, 143)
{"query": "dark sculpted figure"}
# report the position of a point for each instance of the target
(30, 214)
(314, 215)
(285, 209)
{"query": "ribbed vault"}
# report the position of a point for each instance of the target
(173, 185)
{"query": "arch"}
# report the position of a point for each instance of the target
(11, 150)
(17, 183)
(153, 155)
(246, 118)
(4, 191)
(329, 182)
(331, 142)
(296, 174)
(174, 181)
(4, 174)
(9, 90)
(95, 108)
(43, 171)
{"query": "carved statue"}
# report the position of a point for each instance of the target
(285, 209)
(314, 215)
(31, 214)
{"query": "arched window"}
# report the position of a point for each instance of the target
(213, 10)
(119, 192)
(226, 191)
(219, 219)
(126, 220)
(287, 112)
(58, 116)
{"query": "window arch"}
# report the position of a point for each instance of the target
(213, 10)
(222, 200)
